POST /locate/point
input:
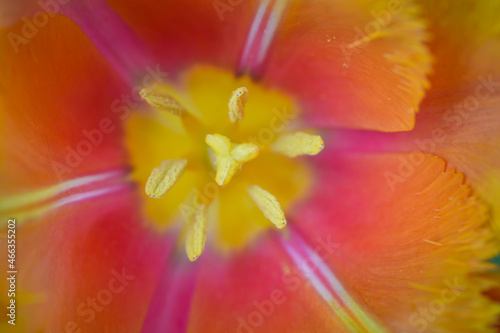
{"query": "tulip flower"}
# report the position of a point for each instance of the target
(249, 166)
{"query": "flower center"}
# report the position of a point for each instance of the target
(222, 164)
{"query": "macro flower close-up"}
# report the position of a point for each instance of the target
(246, 166)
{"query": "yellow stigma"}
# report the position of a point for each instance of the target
(162, 102)
(268, 204)
(229, 157)
(196, 230)
(164, 177)
(237, 104)
(298, 143)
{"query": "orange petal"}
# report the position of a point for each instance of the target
(61, 109)
(412, 239)
(360, 64)
(460, 118)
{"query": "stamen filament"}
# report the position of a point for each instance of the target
(229, 157)
(298, 143)
(268, 204)
(164, 177)
(163, 102)
(237, 104)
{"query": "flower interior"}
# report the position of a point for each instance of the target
(221, 154)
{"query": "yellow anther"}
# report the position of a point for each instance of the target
(268, 204)
(164, 177)
(298, 143)
(229, 157)
(237, 104)
(162, 102)
(196, 231)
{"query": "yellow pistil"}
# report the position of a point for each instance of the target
(229, 157)
(298, 143)
(196, 231)
(163, 102)
(268, 205)
(237, 104)
(164, 177)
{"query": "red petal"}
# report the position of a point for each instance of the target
(171, 303)
(258, 290)
(182, 33)
(97, 251)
